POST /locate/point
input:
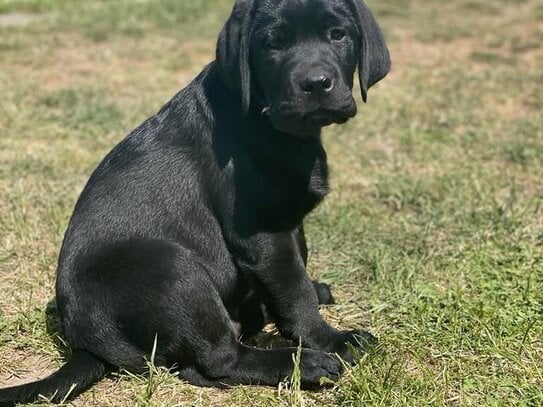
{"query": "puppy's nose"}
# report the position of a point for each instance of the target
(317, 84)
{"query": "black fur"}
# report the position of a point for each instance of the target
(190, 230)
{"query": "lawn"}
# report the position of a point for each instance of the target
(432, 237)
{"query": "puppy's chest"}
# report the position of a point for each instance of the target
(296, 192)
(318, 180)
(275, 189)
(317, 187)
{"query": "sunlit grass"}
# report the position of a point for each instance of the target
(432, 237)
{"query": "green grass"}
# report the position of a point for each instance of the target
(432, 236)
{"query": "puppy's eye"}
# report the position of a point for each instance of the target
(274, 41)
(337, 34)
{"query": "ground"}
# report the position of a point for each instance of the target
(432, 237)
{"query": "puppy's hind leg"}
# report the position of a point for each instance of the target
(210, 354)
(170, 297)
(232, 363)
(324, 294)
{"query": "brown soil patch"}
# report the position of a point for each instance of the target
(17, 19)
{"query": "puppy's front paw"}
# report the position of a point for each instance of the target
(315, 364)
(360, 340)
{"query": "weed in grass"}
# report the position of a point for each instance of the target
(144, 399)
(290, 393)
(152, 381)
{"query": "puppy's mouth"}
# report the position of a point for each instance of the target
(285, 117)
(322, 117)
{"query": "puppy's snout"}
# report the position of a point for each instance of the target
(317, 83)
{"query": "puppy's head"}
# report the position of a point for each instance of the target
(294, 60)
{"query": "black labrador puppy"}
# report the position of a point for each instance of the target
(193, 223)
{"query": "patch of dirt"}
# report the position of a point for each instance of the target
(18, 19)
(82, 59)
(20, 367)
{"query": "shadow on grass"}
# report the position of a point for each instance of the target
(52, 322)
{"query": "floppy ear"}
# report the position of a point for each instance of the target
(233, 51)
(374, 61)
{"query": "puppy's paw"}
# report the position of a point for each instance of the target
(356, 340)
(324, 294)
(315, 365)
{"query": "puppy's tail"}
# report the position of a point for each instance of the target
(81, 372)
